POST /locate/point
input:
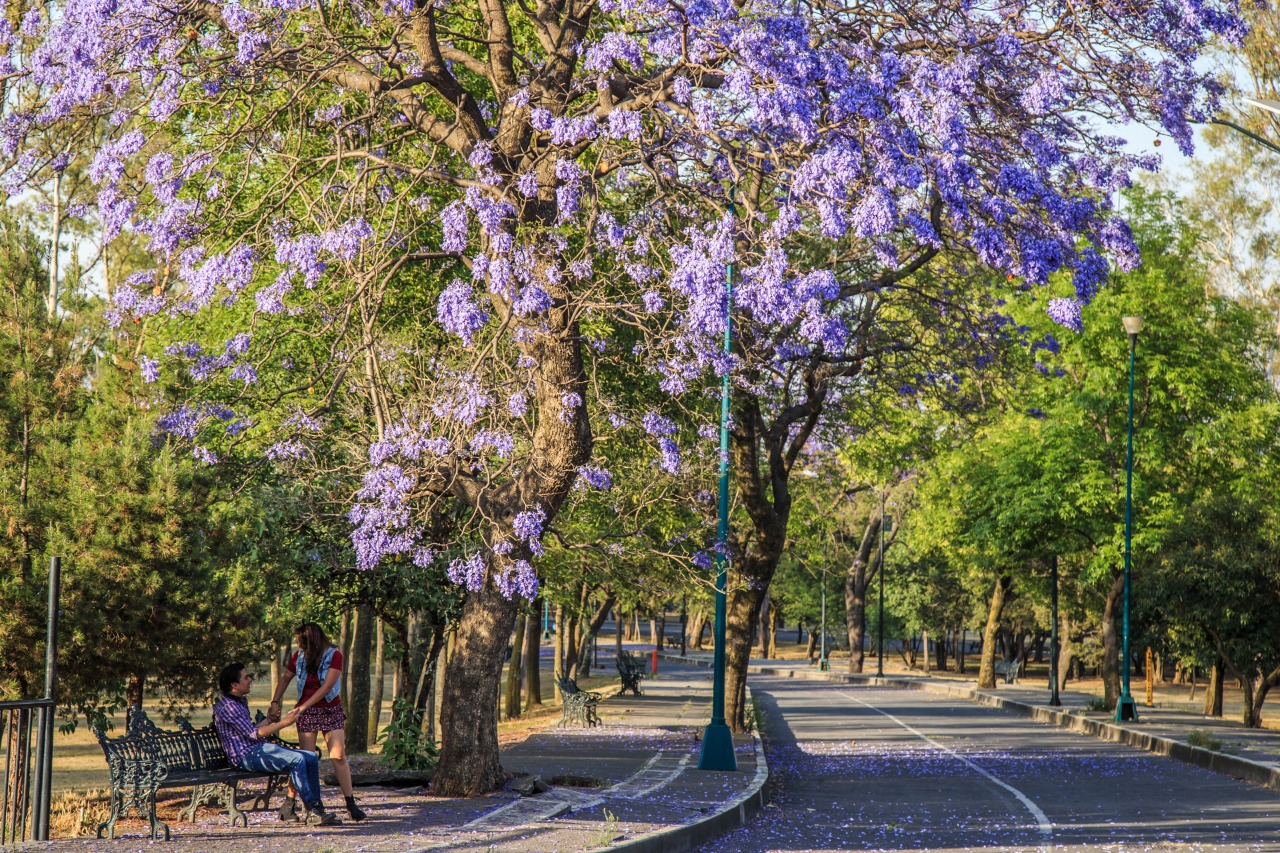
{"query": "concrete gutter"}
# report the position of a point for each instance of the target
(729, 817)
(1232, 765)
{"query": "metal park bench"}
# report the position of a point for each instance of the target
(146, 759)
(632, 670)
(1008, 670)
(579, 705)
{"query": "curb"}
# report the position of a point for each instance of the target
(732, 815)
(1231, 765)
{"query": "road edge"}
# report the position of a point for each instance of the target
(1218, 762)
(686, 837)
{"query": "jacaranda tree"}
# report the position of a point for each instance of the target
(539, 175)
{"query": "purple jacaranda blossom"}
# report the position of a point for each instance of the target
(595, 476)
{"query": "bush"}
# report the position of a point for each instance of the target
(407, 746)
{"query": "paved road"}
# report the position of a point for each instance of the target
(862, 768)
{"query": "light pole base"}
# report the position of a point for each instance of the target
(717, 749)
(1126, 710)
(824, 665)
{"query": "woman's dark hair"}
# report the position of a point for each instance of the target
(313, 642)
(231, 673)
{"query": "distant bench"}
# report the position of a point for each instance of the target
(632, 669)
(146, 758)
(579, 706)
(1008, 670)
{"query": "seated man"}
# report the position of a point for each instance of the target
(247, 748)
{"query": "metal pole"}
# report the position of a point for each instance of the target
(717, 740)
(546, 620)
(1126, 709)
(1054, 701)
(44, 744)
(880, 617)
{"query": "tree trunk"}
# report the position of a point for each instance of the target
(469, 762)
(1213, 694)
(357, 673)
(856, 581)
(557, 646)
(940, 649)
(592, 631)
(1065, 650)
(742, 612)
(532, 661)
(811, 651)
(766, 650)
(960, 650)
(514, 669)
(1256, 694)
(379, 680)
(618, 629)
(924, 648)
(344, 645)
(698, 625)
(431, 686)
(134, 689)
(1110, 665)
(987, 669)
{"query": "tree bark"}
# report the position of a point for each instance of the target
(765, 625)
(344, 645)
(592, 630)
(532, 660)
(924, 648)
(557, 645)
(866, 562)
(1110, 665)
(379, 680)
(469, 761)
(1065, 650)
(134, 689)
(696, 628)
(1256, 695)
(514, 669)
(987, 669)
(811, 651)
(1213, 692)
(357, 673)
(742, 612)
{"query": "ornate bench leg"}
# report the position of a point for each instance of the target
(156, 823)
(236, 814)
(263, 800)
(110, 823)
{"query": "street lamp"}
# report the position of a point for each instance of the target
(1127, 710)
(717, 740)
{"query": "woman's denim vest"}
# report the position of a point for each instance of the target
(325, 659)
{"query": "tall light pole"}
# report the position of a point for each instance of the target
(880, 616)
(1126, 709)
(717, 740)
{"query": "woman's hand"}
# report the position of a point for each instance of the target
(273, 711)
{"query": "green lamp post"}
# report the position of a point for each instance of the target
(717, 740)
(1126, 710)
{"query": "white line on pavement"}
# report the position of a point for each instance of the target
(1044, 824)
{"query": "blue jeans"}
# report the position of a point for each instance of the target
(303, 768)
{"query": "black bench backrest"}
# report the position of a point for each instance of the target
(186, 749)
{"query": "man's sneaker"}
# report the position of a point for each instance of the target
(289, 811)
(357, 813)
(317, 816)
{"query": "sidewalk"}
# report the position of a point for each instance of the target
(1249, 754)
(630, 784)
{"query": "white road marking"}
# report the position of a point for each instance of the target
(1042, 820)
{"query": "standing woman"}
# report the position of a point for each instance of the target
(318, 667)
